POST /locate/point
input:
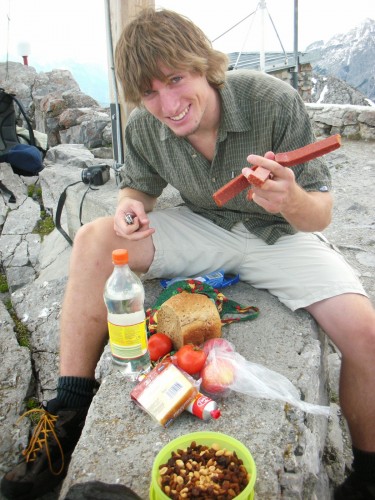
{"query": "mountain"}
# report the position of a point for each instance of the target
(349, 57)
(332, 90)
(92, 79)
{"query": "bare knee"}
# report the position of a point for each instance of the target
(349, 320)
(96, 240)
(97, 232)
(93, 245)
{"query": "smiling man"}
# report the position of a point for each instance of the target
(194, 127)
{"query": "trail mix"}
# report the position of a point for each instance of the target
(202, 472)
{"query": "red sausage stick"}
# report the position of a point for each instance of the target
(259, 175)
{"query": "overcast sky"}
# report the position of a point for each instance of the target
(75, 29)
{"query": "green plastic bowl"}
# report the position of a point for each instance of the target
(205, 438)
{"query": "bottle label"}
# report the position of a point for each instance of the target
(199, 404)
(128, 341)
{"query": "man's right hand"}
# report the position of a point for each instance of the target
(140, 228)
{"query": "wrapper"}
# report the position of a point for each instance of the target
(165, 393)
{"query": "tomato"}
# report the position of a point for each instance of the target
(159, 345)
(191, 358)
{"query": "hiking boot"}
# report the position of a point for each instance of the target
(44, 463)
(354, 488)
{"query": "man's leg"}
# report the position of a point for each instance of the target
(83, 333)
(349, 320)
(84, 316)
(305, 271)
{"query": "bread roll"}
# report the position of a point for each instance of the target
(189, 318)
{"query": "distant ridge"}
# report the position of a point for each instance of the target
(350, 57)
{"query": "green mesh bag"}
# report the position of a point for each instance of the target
(229, 310)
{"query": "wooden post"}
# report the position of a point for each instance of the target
(120, 12)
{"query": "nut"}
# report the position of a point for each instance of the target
(214, 472)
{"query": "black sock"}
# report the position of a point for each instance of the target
(364, 464)
(73, 392)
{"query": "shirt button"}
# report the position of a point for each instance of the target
(193, 155)
(213, 179)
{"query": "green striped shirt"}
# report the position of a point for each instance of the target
(259, 113)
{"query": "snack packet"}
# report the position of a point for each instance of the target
(216, 279)
(165, 392)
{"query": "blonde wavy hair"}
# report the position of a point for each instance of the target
(163, 37)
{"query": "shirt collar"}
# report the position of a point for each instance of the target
(165, 132)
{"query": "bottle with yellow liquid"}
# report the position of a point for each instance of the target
(124, 298)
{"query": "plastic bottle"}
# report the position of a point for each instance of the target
(204, 407)
(124, 298)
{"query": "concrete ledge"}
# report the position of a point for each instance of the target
(287, 444)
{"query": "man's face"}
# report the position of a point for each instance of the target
(180, 101)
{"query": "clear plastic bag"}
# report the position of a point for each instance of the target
(233, 372)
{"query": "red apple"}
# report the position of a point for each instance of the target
(217, 343)
(217, 376)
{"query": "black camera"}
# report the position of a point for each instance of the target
(96, 175)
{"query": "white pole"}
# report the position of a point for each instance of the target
(295, 69)
(262, 57)
(120, 149)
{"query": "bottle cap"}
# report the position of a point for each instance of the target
(215, 413)
(120, 256)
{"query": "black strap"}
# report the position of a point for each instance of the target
(60, 206)
(31, 132)
(59, 209)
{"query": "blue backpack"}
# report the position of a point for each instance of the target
(25, 159)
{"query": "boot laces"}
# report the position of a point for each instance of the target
(39, 438)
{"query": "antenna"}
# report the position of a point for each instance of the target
(7, 63)
(263, 7)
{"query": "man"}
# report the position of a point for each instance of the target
(194, 128)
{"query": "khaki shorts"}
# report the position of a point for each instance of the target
(299, 269)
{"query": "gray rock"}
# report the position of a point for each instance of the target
(18, 277)
(366, 258)
(15, 380)
(23, 219)
(69, 154)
